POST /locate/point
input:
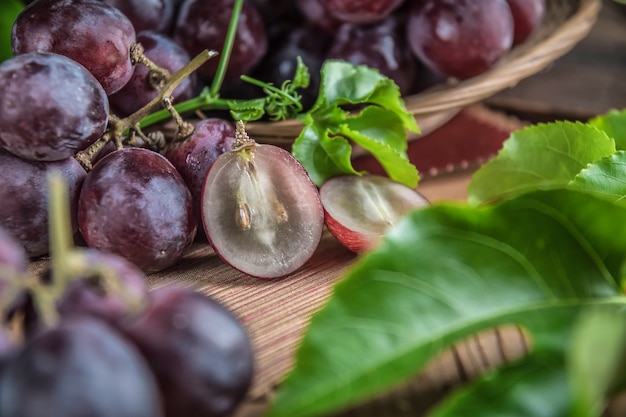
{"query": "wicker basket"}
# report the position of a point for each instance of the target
(566, 22)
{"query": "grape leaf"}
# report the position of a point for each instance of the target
(542, 155)
(447, 271)
(9, 9)
(382, 130)
(605, 177)
(613, 124)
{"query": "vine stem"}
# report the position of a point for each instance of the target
(227, 49)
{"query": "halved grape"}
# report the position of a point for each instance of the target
(261, 211)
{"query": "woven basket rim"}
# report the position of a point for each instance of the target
(447, 99)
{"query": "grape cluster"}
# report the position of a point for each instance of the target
(114, 347)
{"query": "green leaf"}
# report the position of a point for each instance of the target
(539, 156)
(605, 177)
(301, 78)
(9, 9)
(446, 272)
(247, 110)
(613, 124)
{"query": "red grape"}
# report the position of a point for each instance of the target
(361, 11)
(52, 107)
(460, 38)
(316, 13)
(90, 32)
(153, 15)
(135, 204)
(527, 16)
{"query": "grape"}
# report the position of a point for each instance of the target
(85, 295)
(80, 368)
(361, 11)
(193, 156)
(261, 211)
(153, 15)
(381, 46)
(90, 32)
(460, 38)
(316, 13)
(165, 53)
(12, 254)
(24, 201)
(52, 107)
(527, 16)
(135, 204)
(6, 345)
(200, 353)
(203, 25)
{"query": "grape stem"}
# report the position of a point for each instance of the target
(226, 49)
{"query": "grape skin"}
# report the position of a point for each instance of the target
(52, 107)
(527, 16)
(80, 368)
(135, 204)
(24, 201)
(90, 32)
(152, 15)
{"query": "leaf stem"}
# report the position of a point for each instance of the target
(227, 49)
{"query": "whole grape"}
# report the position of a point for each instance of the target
(165, 53)
(460, 38)
(193, 156)
(24, 198)
(380, 45)
(80, 368)
(200, 353)
(90, 32)
(316, 14)
(361, 11)
(12, 255)
(51, 107)
(135, 204)
(527, 16)
(152, 15)
(203, 25)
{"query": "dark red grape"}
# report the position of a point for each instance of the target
(203, 25)
(527, 16)
(200, 353)
(90, 32)
(135, 204)
(24, 198)
(381, 46)
(12, 254)
(194, 156)
(80, 368)
(460, 38)
(52, 107)
(316, 13)
(90, 295)
(165, 53)
(153, 15)
(361, 11)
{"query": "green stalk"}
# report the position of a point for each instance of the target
(202, 102)
(228, 47)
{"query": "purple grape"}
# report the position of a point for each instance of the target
(361, 11)
(381, 46)
(200, 353)
(460, 38)
(85, 296)
(12, 254)
(153, 15)
(24, 198)
(275, 11)
(52, 107)
(527, 16)
(194, 156)
(90, 32)
(316, 13)
(165, 53)
(80, 368)
(203, 25)
(6, 344)
(135, 204)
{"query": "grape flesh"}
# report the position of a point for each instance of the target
(361, 11)
(24, 198)
(90, 32)
(460, 38)
(135, 204)
(165, 53)
(152, 15)
(527, 16)
(193, 157)
(80, 368)
(200, 353)
(203, 25)
(52, 107)
(261, 211)
(381, 46)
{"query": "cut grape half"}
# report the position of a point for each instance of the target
(261, 211)
(359, 209)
